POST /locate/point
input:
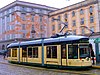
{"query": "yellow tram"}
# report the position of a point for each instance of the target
(63, 52)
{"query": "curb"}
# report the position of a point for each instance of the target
(96, 67)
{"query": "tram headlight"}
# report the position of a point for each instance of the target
(87, 58)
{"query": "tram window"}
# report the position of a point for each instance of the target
(54, 51)
(9, 53)
(51, 51)
(84, 51)
(14, 52)
(63, 51)
(73, 52)
(35, 52)
(30, 52)
(24, 52)
(48, 52)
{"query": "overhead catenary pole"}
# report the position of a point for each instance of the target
(42, 51)
(42, 41)
(19, 53)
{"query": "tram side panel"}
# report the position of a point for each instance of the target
(13, 54)
(59, 54)
(52, 55)
(63, 55)
(23, 55)
(36, 56)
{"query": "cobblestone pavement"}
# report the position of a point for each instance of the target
(7, 69)
(15, 70)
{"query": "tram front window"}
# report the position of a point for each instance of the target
(84, 51)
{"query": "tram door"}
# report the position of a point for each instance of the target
(24, 54)
(30, 52)
(63, 55)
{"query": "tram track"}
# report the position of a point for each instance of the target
(53, 70)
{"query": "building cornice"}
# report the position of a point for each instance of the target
(8, 6)
(27, 4)
(36, 5)
(73, 7)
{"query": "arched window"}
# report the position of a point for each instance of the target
(59, 18)
(91, 19)
(82, 21)
(81, 11)
(73, 14)
(53, 27)
(91, 9)
(66, 16)
(52, 19)
(74, 23)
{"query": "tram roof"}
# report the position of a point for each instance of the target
(49, 40)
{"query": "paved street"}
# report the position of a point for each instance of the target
(16, 70)
(10, 69)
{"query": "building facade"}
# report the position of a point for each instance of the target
(30, 19)
(77, 17)
(22, 9)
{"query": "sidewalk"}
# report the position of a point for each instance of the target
(2, 60)
(5, 61)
